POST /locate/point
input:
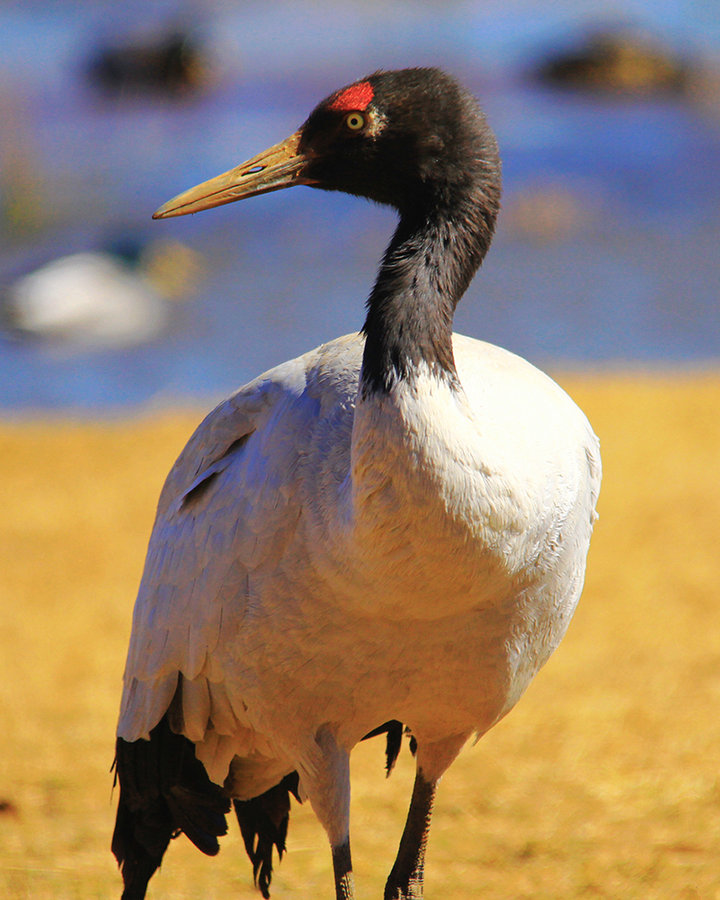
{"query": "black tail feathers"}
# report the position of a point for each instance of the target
(164, 790)
(263, 824)
(393, 730)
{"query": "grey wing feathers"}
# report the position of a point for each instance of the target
(227, 509)
(194, 576)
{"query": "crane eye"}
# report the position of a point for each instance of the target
(355, 121)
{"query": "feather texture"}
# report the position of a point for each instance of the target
(284, 518)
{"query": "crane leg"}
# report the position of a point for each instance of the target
(327, 783)
(405, 881)
(342, 868)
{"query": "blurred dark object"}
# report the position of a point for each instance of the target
(8, 808)
(618, 62)
(172, 64)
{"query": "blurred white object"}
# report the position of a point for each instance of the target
(97, 299)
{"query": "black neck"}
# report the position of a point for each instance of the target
(426, 269)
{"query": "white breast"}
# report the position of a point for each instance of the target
(459, 514)
(458, 493)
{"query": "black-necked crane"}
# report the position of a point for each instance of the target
(390, 529)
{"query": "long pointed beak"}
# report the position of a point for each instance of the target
(280, 166)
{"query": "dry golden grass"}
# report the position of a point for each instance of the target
(602, 783)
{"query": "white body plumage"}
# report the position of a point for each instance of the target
(416, 556)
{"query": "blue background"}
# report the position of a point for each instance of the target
(633, 282)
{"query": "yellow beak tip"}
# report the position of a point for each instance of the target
(164, 211)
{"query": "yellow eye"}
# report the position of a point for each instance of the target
(355, 121)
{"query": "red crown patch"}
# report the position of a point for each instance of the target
(357, 96)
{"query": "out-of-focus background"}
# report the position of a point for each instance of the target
(117, 333)
(608, 117)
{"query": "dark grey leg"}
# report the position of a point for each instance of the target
(342, 867)
(406, 878)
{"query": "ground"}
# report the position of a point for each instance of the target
(603, 782)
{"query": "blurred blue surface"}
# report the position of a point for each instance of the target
(630, 276)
